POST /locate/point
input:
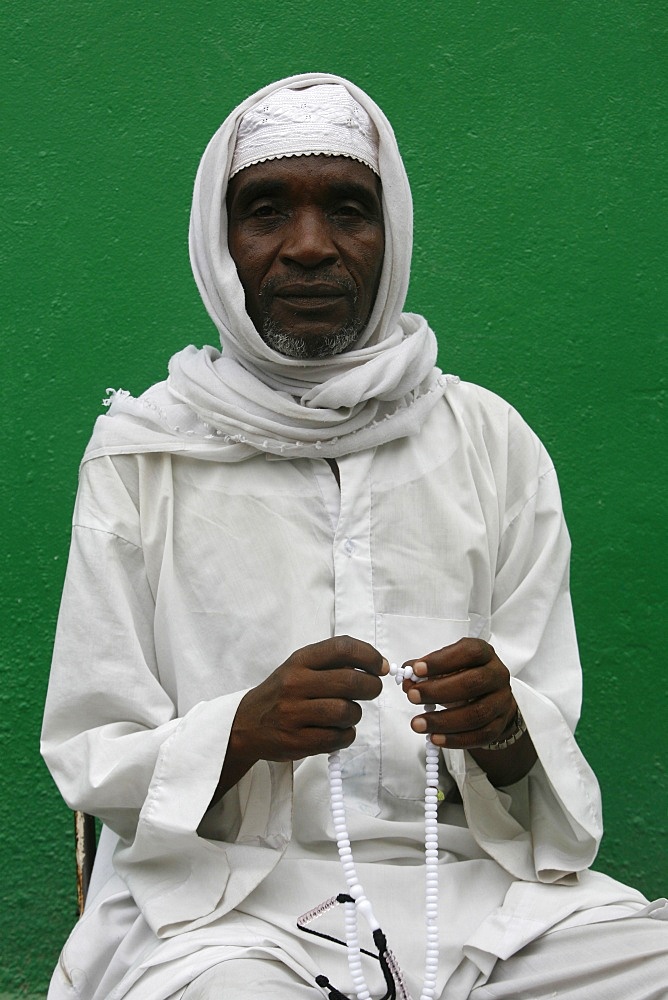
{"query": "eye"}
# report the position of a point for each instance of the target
(265, 211)
(350, 209)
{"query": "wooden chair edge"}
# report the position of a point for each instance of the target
(85, 841)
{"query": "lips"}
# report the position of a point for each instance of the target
(310, 297)
(315, 290)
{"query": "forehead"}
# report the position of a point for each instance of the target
(298, 174)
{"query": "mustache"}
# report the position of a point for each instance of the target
(274, 286)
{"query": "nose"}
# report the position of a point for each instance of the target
(308, 240)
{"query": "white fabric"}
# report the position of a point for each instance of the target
(246, 978)
(624, 959)
(190, 580)
(253, 398)
(621, 960)
(321, 120)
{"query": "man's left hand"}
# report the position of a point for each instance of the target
(472, 685)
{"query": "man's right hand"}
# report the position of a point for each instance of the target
(308, 705)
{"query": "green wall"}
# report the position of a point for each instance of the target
(534, 135)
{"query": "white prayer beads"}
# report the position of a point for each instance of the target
(361, 904)
(401, 674)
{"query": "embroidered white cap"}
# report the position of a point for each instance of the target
(320, 120)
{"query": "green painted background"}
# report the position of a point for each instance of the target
(534, 135)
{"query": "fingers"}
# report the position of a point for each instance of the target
(465, 671)
(332, 713)
(473, 725)
(460, 655)
(457, 689)
(311, 742)
(324, 726)
(273, 723)
(352, 684)
(342, 651)
(309, 704)
(473, 685)
(340, 667)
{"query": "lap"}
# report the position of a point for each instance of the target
(246, 978)
(623, 959)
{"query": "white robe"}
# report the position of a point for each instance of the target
(190, 580)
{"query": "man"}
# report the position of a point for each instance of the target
(255, 540)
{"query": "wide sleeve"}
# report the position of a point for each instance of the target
(548, 826)
(118, 749)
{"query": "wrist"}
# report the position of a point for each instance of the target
(511, 735)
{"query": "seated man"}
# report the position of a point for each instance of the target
(255, 541)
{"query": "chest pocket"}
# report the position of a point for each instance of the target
(401, 638)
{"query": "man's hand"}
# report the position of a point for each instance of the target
(472, 684)
(308, 705)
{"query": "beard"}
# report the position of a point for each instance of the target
(282, 339)
(276, 336)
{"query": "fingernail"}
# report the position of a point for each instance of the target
(419, 724)
(384, 667)
(439, 741)
(420, 668)
(414, 696)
